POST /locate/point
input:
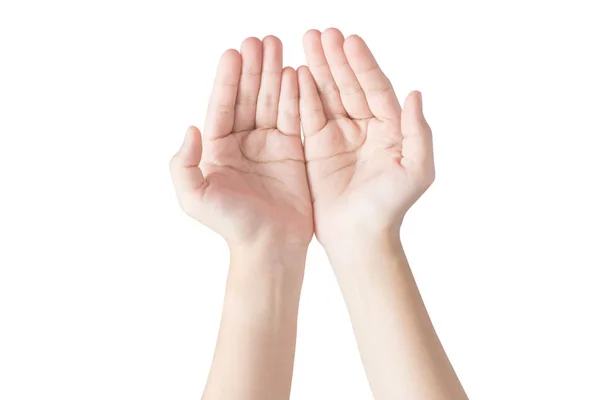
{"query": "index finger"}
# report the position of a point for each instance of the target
(377, 87)
(221, 108)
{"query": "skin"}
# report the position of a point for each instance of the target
(365, 160)
(246, 179)
(368, 161)
(251, 184)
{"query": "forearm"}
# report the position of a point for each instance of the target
(254, 355)
(401, 352)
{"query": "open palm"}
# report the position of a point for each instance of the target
(246, 178)
(368, 160)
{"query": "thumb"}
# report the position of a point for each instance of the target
(185, 172)
(413, 121)
(417, 142)
(190, 152)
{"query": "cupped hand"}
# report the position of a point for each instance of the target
(246, 177)
(368, 160)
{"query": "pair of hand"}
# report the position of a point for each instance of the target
(363, 162)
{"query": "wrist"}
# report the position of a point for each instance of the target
(264, 283)
(268, 258)
(336, 229)
(352, 256)
(353, 243)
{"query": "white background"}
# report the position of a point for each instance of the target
(107, 291)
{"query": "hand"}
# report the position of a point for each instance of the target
(367, 159)
(246, 179)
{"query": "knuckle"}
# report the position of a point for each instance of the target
(267, 100)
(246, 100)
(330, 89)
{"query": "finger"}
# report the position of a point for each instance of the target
(377, 87)
(312, 114)
(413, 121)
(270, 83)
(187, 177)
(328, 90)
(351, 93)
(247, 95)
(288, 116)
(221, 108)
(417, 143)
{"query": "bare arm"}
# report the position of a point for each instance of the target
(255, 351)
(245, 178)
(369, 160)
(400, 349)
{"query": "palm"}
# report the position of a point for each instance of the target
(366, 161)
(252, 179)
(258, 177)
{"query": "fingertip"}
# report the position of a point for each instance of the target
(419, 97)
(332, 40)
(251, 39)
(354, 38)
(272, 40)
(332, 35)
(193, 130)
(304, 74)
(414, 100)
(180, 156)
(289, 78)
(251, 43)
(190, 136)
(191, 149)
(353, 42)
(289, 74)
(230, 53)
(272, 53)
(231, 56)
(331, 31)
(310, 36)
(413, 121)
(312, 33)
